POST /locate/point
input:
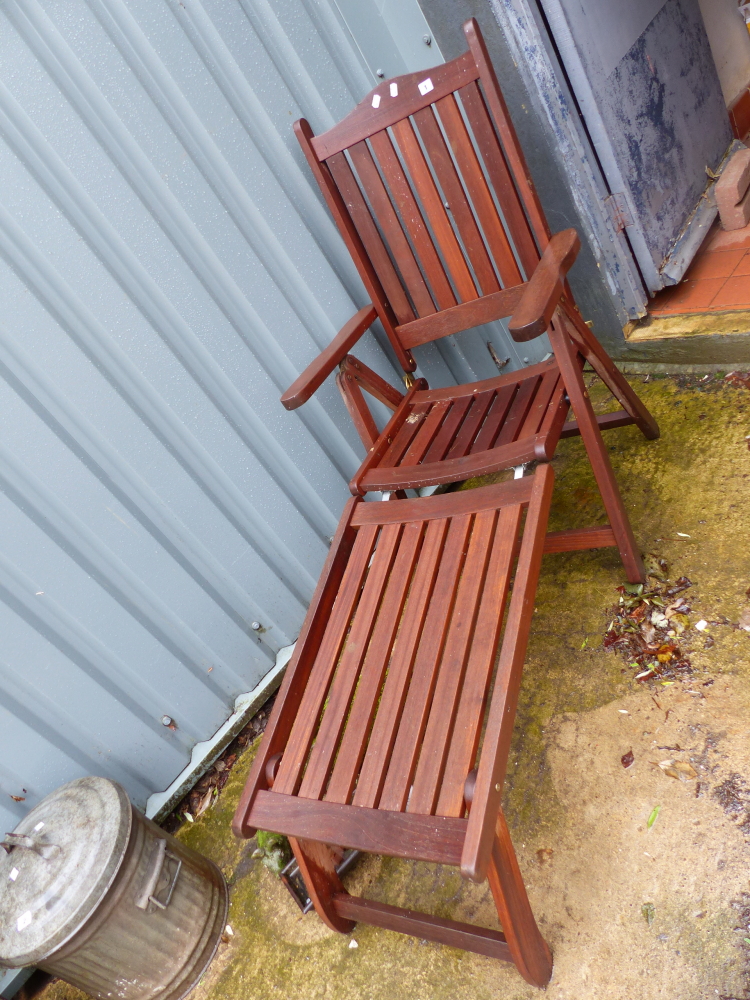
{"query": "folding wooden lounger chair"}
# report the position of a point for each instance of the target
(373, 742)
(428, 185)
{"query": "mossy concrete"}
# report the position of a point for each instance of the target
(578, 818)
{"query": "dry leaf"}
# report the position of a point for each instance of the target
(627, 758)
(744, 621)
(681, 770)
(204, 803)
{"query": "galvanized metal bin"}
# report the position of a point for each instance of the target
(95, 893)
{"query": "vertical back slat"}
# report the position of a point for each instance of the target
(475, 182)
(436, 214)
(368, 233)
(424, 674)
(439, 731)
(409, 211)
(468, 725)
(500, 176)
(453, 191)
(321, 757)
(356, 734)
(391, 228)
(384, 730)
(306, 721)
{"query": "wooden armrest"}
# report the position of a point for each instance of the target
(318, 371)
(542, 293)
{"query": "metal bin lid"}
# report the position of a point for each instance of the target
(65, 854)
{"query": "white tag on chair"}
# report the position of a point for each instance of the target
(425, 86)
(394, 90)
(376, 100)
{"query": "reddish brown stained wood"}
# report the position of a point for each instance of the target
(358, 409)
(412, 217)
(422, 838)
(372, 382)
(451, 470)
(606, 421)
(530, 951)
(497, 305)
(364, 705)
(465, 738)
(364, 120)
(424, 673)
(538, 409)
(471, 424)
(438, 732)
(518, 410)
(318, 870)
(453, 192)
(338, 700)
(338, 210)
(433, 205)
(476, 185)
(371, 240)
(542, 294)
(447, 505)
(451, 422)
(608, 372)
(480, 940)
(497, 169)
(425, 435)
(506, 131)
(496, 382)
(390, 225)
(574, 539)
(318, 371)
(494, 420)
(493, 758)
(406, 434)
(597, 451)
(375, 454)
(300, 737)
(387, 720)
(298, 670)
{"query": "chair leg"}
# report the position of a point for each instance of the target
(528, 948)
(591, 435)
(608, 372)
(318, 867)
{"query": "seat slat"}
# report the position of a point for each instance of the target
(364, 705)
(390, 225)
(472, 422)
(493, 422)
(500, 177)
(413, 220)
(368, 233)
(460, 208)
(479, 192)
(405, 434)
(424, 674)
(439, 730)
(442, 440)
(432, 203)
(467, 728)
(538, 409)
(289, 773)
(519, 409)
(385, 727)
(426, 434)
(320, 760)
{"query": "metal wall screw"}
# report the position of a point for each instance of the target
(379, 72)
(427, 39)
(255, 626)
(166, 720)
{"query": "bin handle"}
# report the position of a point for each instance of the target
(15, 840)
(156, 865)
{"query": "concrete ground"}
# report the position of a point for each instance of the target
(629, 910)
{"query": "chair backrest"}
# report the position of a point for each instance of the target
(430, 189)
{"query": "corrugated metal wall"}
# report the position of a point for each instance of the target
(166, 270)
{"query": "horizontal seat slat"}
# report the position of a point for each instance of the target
(419, 838)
